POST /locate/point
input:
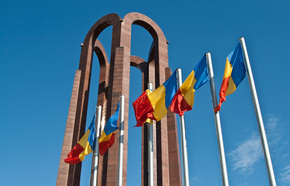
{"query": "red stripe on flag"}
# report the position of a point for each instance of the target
(224, 87)
(73, 156)
(103, 146)
(179, 105)
(143, 109)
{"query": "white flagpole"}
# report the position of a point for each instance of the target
(183, 138)
(150, 149)
(96, 152)
(258, 115)
(121, 142)
(217, 123)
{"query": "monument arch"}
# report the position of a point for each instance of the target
(114, 81)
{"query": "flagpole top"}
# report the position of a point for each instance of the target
(241, 38)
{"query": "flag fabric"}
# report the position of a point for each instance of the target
(184, 97)
(234, 73)
(108, 134)
(154, 105)
(85, 146)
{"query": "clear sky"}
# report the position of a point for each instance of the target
(40, 51)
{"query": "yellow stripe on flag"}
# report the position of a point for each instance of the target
(104, 137)
(228, 69)
(231, 87)
(187, 89)
(157, 99)
(83, 141)
(85, 152)
(228, 74)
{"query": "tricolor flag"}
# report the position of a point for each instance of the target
(85, 146)
(184, 97)
(108, 134)
(154, 105)
(234, 73)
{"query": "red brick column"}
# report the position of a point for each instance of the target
(65, 171)
(119, 83)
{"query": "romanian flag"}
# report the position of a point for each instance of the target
(108, 134)
(85, 146)
(154, 105)
(184, 97)
(234, 73)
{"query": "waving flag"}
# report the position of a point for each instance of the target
(184, 97)
(234, 73)
(85, 146)
(154, 105)
(108, 134)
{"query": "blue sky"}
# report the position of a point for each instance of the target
(40, 51)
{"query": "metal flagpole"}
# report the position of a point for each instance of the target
(96, 152)
(121, 142)
(258, 115)
(150, 149)
(183, 138)
(217, 123)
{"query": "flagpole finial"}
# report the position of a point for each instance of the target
(241, 38)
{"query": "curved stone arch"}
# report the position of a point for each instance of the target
(145, 22)
(77, 120)
(138, 62)
(157, 75)
(142, 65)
(90, 45)
(114, 81)
(101, 53)
(160, 43)
(94, 32)
(104, 66)
(104, 74)
(85, 64)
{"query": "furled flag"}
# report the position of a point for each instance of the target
(108, 134)
(184, 97)
(85, 146)
(234, 73)
(154, 105)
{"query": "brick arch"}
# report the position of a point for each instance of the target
(160, 50)
(142, 65)
(91, 44)
(145, 22)
(114, 81)
(137, 62)
(104, 74)
(157, 75)
(76, 122)
(104, 71)
(101, 53)
(107, 20)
